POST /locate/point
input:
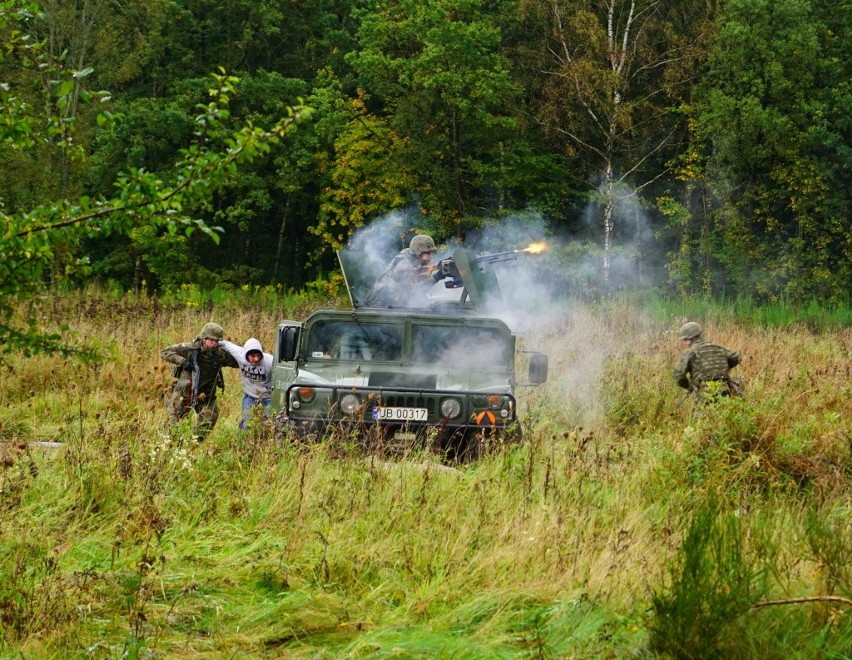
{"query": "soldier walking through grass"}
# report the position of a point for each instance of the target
(197, 377)
(704, 368)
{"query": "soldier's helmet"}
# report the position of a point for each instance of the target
(690, 330)
(422, 243)
(212, 331)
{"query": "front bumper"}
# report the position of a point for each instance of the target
(313, 407)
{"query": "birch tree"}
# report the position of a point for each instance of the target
(612, 72)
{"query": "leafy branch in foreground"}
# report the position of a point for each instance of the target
(29, 241)
(143, 196)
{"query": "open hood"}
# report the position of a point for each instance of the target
(359, 274)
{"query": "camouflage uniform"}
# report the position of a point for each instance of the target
(198, 374)
(407, 280)
(704, 363)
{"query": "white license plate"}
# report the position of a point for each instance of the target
(394, 414)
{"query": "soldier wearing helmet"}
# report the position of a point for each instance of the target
(198, 374)
(703, 363)
(408, 278)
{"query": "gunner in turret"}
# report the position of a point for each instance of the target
(408, 278)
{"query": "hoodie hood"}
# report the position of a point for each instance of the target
(252, 345)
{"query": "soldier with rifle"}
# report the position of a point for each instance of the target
(704, 368)
(198, 375)
(408, 278)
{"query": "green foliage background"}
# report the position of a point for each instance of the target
(726, 124)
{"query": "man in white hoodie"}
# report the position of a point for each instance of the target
(256, 374)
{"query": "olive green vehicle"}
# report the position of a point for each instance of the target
(396, 374)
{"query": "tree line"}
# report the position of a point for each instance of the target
(724, 125)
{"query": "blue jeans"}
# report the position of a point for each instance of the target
(250, 402)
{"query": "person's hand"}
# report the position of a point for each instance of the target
(187, 365)
(430, 271)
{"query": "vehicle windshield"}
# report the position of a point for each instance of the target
(461, 345)
(351, 340)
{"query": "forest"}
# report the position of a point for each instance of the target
(695, 147)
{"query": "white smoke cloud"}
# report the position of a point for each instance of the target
(530, 284)
(383, 238)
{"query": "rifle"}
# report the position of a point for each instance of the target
(689, 391)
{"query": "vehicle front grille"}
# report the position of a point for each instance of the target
(412, 401)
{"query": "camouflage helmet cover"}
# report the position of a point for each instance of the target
(212, 331)
(422, 243)
(690, 330)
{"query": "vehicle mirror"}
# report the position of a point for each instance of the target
(538, 368)
(288, 343)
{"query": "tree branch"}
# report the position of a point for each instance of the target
(808, 599)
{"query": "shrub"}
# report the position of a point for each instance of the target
(714, 581)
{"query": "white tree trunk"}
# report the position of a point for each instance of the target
(608, 222)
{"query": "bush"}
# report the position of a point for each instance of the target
(714, 581)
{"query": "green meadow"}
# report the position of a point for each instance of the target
(624, 525)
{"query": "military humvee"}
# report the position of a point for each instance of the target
(394, 374)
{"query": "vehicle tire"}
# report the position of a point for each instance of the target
(281, 427)
(514, 435)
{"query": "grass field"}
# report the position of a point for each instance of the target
(622, 526)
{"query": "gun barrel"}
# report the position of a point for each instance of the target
(449, 269)
(498, 256)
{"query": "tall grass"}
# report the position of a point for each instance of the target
(623, 524)
(775, 313)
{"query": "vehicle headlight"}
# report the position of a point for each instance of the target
(349, 403)
(450, 408)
